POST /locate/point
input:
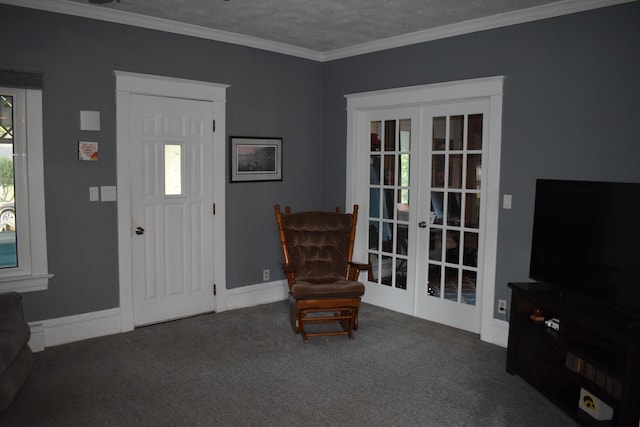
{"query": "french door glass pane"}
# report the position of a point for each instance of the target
(8, 240)
(456, 135)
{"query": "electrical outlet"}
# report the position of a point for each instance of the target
(502, 306)
(265, 275)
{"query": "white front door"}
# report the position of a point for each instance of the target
(171, 207)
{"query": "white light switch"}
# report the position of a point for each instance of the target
(89, 120)
(506, 201)
(94, 194)
(108, 193)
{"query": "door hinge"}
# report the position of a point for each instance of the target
(214, 126)
(214, 208)
(215, 290)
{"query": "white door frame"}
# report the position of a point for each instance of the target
(490, 88)
(144, 84)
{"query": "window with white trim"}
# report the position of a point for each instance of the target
(23, 244)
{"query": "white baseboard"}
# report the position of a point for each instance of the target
(499, 333)
(262, 293)
(78, 327)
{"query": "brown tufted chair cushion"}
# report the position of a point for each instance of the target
(318, 244)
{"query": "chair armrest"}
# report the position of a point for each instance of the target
(356, 267)
(290, 272)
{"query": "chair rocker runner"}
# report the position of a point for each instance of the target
(323, 281)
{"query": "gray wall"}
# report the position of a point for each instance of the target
(570, 107)
(570, 111)
(270, 95)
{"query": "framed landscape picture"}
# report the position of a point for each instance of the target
(255, 159)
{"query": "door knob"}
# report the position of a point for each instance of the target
(422, 224)
(139, 231)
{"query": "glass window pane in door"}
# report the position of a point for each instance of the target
(455, 171)
(470, 249)
(401, 273)
(475, 132)
(373, 235)
(472, 210)
(437, 170)
(435, 244)
(468, 294)
(452, 249)
(374, 170)
(172, 169)
(474, 171)
(456, 132)
(402, 239)
(439, 133)
(389, 169)
(451, 283)
(453, 208)
(376, 142)
(390, 135)
(405, 134)
(386, 271)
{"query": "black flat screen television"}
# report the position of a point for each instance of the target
(586, 239)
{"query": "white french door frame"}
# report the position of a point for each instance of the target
(128, 84)
(358, 108)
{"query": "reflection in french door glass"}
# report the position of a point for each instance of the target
(451, 283)
(9, 252)
(474, 171)
(470, 254)
(456, 132)
(472, 210)
(386, 275)
(435, 244)
(439, 133)
(455, 171)
(474, 124)
(468, 293)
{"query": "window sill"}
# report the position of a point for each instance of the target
(26, 283)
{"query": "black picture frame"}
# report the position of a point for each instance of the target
(255, 159)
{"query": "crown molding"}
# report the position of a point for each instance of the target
(127, 18)
(551, 10)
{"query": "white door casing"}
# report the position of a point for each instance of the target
(359, 109)
(128, 86)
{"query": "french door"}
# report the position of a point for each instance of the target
(425, 169)
(389, 241)
(451, 231)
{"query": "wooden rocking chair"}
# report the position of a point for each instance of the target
(323, 281)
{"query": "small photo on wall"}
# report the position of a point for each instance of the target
(88, 151)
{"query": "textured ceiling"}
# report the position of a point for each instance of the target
(321, 25)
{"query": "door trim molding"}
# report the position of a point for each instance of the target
(488, 88)
(145, 84)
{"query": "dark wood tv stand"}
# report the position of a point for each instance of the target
(596, 348)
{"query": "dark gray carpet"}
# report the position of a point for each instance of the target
(247, 368)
